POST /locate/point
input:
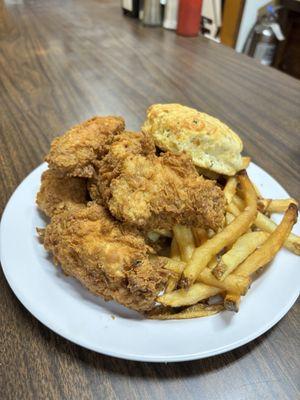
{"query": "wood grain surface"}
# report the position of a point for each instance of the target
(64, 61)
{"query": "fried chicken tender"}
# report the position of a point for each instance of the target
(126, 144)
(56, 190)
(150, 191)
(109, 259)
(105, 243)
(74, 153)
(159, 192)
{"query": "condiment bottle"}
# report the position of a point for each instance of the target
(189, 16)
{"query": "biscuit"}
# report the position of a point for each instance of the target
(209, 142)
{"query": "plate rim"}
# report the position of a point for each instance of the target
(126, 355)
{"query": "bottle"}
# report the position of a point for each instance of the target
(263, 38)
(171, 14)
(152, 13)
(189, 17)
(130, 8)
(141, 10)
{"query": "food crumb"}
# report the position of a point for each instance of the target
(113, 317)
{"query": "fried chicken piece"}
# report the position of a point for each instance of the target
(56, 190)
(109, 259)
(159, 192)
(153, 192)
(126, 144)
(74, 153)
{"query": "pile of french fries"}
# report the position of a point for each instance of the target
(211, 271)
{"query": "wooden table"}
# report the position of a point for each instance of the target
(64, 61)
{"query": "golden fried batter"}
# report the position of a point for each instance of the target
(74, 153)
(106, 257)
(56, 190)
(159, 192)
(126, 144)
(150, 191)
(143, 190)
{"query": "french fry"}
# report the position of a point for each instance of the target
(230, 189)
(185, 241)
(175, 265)
(241, 249)
(195, 311)
(245, 162)
(203, 254)
(213, 262)
(238, 202)
(208, 274)
(258, 193)
(210, 233)
(229, 218)
(153, 236)
(233, 283)
(233, 209)
(164, 232)
(157, 233)
(187, 297)
(271, 246)
(200, 236)
(171, 285)
(274, 206)
(251, 264)
(264, 223)
(232, 302)
(174, 251)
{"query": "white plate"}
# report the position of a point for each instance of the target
(64, 306)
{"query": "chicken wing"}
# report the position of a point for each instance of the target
(56, 190)
(74, 153)
(109, 259)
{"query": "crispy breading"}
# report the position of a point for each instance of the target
(109, 259)
(159, 192)
(56, 190)
(74, 153)
(125, 145)
(144, 190)
(150, 191)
